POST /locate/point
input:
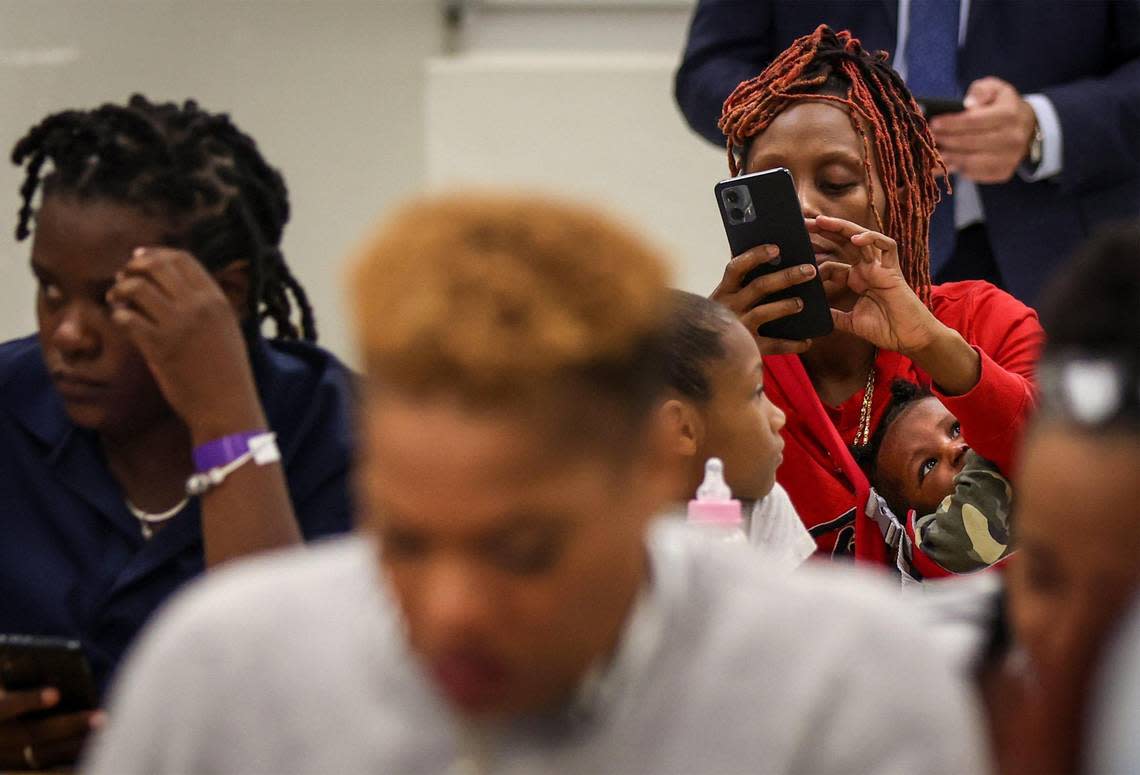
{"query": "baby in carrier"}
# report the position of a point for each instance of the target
(956, 502)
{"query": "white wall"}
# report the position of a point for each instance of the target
(332, 90)
(600, 128)
(576, 97)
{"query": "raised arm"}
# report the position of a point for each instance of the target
(1007, 337)
(980, 360)
(187, 330)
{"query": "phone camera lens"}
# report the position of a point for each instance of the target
(736, 214)
(731, 196)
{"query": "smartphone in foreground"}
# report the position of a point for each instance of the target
(763, 209)
(33, 662)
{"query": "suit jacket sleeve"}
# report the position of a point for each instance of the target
(1100, 115)
(728, 43)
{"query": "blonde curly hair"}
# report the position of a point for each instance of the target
(497, 299)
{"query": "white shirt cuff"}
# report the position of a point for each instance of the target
(1051, 145)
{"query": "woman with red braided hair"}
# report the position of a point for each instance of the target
(842, 121)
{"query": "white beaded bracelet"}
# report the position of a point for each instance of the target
(262, 450)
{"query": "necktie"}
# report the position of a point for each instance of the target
(932, 71)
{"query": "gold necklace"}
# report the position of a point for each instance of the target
(863, 434)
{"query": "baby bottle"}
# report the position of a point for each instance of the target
(714, 511)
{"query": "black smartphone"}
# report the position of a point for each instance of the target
(34, 662)
(936, 106)
(762, 209)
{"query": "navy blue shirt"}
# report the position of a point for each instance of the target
(73, 562)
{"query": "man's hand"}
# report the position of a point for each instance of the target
(989, 139)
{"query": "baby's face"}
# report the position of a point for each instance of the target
(921, 453)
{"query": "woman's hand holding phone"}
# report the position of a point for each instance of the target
(741, 299)
(42, 741)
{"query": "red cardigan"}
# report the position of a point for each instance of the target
(823, 480)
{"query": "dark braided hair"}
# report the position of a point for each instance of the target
(1090, 305)
(1089, 315)
(694, 339)
(196, 169)
(833, 66)
(903, 394)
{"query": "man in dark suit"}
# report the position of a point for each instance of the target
(1034, 174)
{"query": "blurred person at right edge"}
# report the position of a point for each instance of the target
(864, 164)
(1076, 567)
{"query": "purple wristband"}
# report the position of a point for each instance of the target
(219, 452)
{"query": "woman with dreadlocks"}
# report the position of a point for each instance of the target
(865, 168)
(150, 430)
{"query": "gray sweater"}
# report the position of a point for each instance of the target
(296, 663)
